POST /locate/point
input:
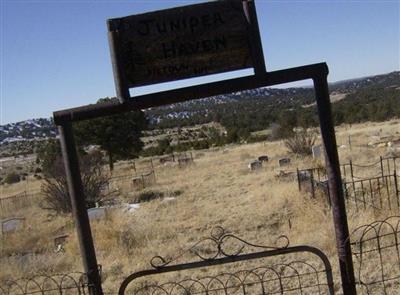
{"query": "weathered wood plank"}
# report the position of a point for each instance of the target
(183, 42)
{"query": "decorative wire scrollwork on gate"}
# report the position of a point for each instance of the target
(62, 284)
(375, 249)
(230, 265)
(216, 245)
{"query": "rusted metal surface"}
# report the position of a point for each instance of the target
(79, 208)
(335, 185)
(223, 248)
(193, 92)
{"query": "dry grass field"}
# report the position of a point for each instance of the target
(217, 189)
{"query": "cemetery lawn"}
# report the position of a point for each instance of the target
(217, 189)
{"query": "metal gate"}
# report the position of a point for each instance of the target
(227, 264)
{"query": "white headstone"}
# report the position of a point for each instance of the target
(12, 224)
(96, 213)
(254, 165)
(316, 151)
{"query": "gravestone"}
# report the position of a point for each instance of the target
(96, 213)
(317, 151)
(255, 165)
(12, 224)
(284, 162)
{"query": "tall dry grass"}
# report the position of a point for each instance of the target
(218, 189)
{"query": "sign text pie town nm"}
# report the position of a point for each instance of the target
(183, 42)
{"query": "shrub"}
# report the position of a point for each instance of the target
(12, 178)
(148, 195)
(55, 187)
(301, 142)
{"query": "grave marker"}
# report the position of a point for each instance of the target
(284, 162)
(255, 165)
(316, 151)
(12, 224)
(96, 213)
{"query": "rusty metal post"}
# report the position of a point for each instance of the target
(396, 187)
(79, 209)
(312, 183)
(335, 185)
(298, 179)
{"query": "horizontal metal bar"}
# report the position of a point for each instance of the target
(193, 92)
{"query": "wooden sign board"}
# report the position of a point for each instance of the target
(182, 42)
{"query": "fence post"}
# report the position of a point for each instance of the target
(352, 182)
(351, 170)
(381, 160)
(335, 184)
(152, 166)
(79, 210)
(396, 187)
(350, 142)
(312, 183)
(298, 179)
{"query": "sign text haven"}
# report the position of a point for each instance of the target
(183, 42)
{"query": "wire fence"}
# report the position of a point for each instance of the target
(376, 256)
(381, 191)
(62, 284)
(18, 201)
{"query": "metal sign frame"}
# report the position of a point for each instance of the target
(317, 72)
(116, 40)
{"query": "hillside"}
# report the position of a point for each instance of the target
(242, 109)
(369, 98)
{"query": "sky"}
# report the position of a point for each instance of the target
(54, 53)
